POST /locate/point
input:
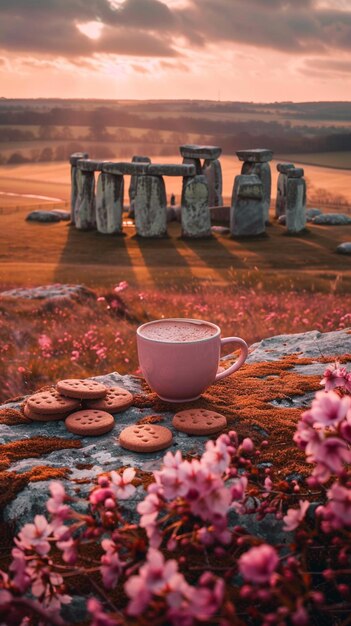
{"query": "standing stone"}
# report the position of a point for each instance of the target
(109, 203)
(74, 186)
(257, 162)
(280, 205)
(85, 209)
(247, 216)
(133, 183)
(213, 172)
(195, 215)
(295, 201)
(150, 207)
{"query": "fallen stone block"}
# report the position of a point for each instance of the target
(332, 219)
(312, 213)
(43, 216)
(344, 248)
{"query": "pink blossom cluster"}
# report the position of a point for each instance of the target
(183, 603)
(236, 577)
(199, 488)
(324, 433)
(336, 376)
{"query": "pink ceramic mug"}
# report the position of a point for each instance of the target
(179, 366)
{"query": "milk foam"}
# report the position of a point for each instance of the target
(178, 332)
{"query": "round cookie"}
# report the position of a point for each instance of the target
(84, 389)
(89, 423)
(145, 438)
(43, 417)
(51, 402)
(117, 399)
(199, 422)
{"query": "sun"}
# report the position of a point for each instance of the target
(92, 30)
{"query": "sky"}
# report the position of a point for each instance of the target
(239, 50)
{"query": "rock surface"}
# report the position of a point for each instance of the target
(312, 213)
(102, 454)
(43, 216)
(332, 219)
(51, 292)
(190, 151)
(344, 248)
(256, 155)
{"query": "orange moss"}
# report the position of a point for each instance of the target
(11, 483)
(13, 417)
(151, 419)
(33, 448)
(246, 401)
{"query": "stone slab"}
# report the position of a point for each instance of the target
(77, 156)
(332, 219)
(193, 151)
(43, 216)
(195, 215)
(295, 172)
(344, 248)
(64, 216)
(168, 169)
(256, 155)
(125, 168)
(90, 165)
(50, 292)
(284, 167)
(312, 213)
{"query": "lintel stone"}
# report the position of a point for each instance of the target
(77, 156)
(192, 151)
(126, 168)
(283, 168)
(90, 165)
(296, 172)
(160, 169)
(257, 155)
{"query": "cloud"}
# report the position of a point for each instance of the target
(330, 66)
(165, 28)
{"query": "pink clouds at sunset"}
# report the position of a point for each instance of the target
(256, 50)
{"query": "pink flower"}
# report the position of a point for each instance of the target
(99, 495)
(5, 598)
(21, 578)
(330, 457)
(340, 504)
(295, 516)
(247, 445)
(112, 566)
(149, 509)
(122, 484)
(336, 376)
(345, 428)
(217, 457)
(99, 617)
(66, 544)
(154, 578)
(55, 505)
(238, 488)
(328, 409)
(258, 564)
(121, 286)
(35, 536)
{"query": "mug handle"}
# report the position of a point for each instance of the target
(244, 351)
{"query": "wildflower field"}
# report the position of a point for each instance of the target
(41, 342)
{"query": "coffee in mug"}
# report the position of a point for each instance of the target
(179, 357)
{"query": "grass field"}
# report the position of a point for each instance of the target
(253, 288)
(54, 179)
(337, 160)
